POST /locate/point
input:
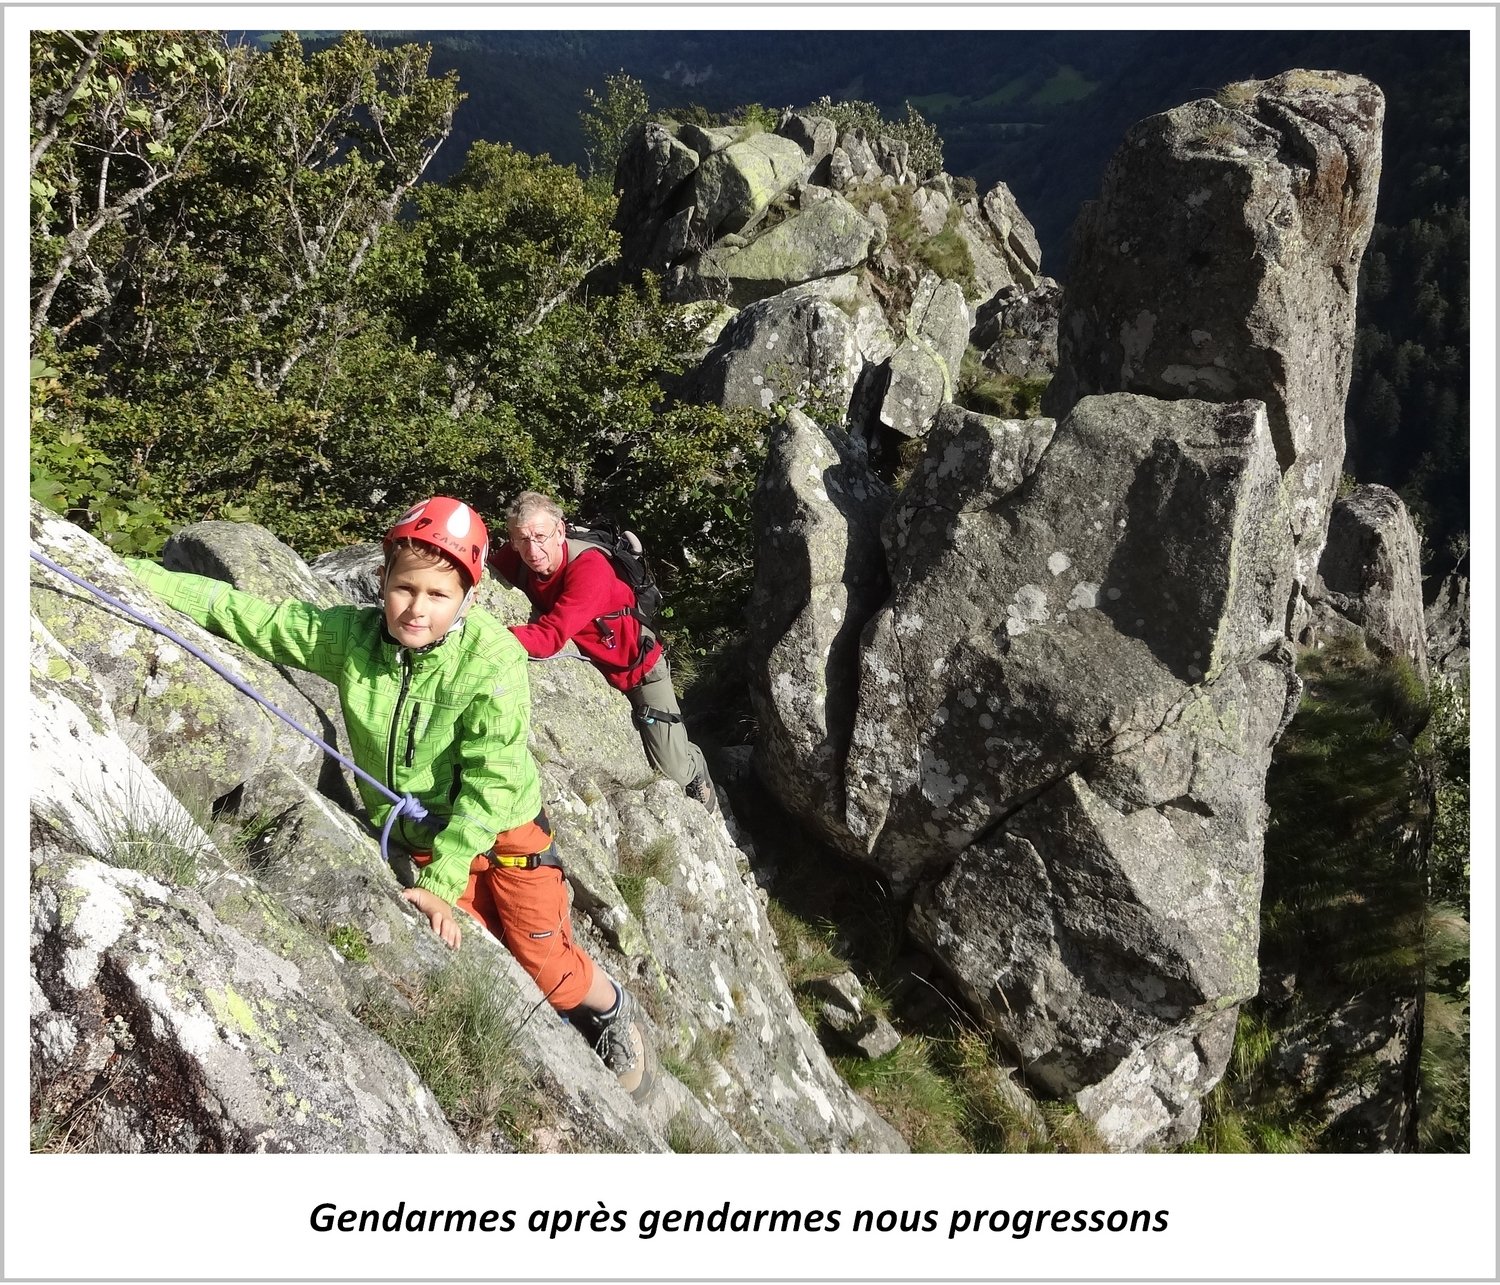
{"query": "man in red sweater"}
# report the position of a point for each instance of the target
(578, 595)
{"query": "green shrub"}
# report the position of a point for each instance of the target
(350, 942)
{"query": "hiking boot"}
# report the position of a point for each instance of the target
(621, 1046)
(702, 789)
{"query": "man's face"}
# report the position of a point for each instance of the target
(538, 538)
(422, 597)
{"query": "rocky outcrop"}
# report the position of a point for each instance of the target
(1447, 621)
(725, 215)
(1064, 716)
(203, 1007)
(1221, 263)
(1371, 574)
(1015, 330)
(1001, 242)
(1065, 713)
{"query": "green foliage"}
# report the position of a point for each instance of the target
(910, 1091)
(1443, 1102)
(1347, 797)
(606, 121)
(925, 148)
(350, 942)
(756, 118)
(198, 306)
(1247, 1111)
(460, 1037)
(948, 254)
(1366, 886)
(273, 345)
(1447, 740)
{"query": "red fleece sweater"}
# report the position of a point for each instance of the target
(569, 602)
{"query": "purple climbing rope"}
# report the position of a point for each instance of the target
(405, 804)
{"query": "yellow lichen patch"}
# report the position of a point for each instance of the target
(231, 1009)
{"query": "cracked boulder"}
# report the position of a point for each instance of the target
(924, 368)
(821, 238)
(1030, 631)
(1371, 573)
(734, 186)
(820, 575)
(797, 349)
(1221, 262)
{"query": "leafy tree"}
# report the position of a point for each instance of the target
(202, 217)
(555, 387)
(607, 119)
(116, 117)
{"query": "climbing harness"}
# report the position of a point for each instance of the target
(404, 804)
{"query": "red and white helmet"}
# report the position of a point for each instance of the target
(448, 525)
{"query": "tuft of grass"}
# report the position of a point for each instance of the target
(948, 254)
(990, 393)
(1221, 133)
(460, 1037)
(637, 868)
(158, 837)
(688, 1137)
(1238, 95)
(908, 1088)
(695, 1068)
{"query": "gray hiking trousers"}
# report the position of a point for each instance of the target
(666, 743)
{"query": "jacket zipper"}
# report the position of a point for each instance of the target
(390, 746)
(411, 733)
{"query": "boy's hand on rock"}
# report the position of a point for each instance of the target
(439, 914)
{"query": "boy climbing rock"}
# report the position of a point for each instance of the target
(436, 702)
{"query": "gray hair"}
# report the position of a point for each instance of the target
(529, 502)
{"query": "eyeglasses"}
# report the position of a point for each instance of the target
(518, 538)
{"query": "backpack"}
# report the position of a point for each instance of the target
(624, 550)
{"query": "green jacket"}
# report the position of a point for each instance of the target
(447, 725)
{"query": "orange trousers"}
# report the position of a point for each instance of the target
(528, 911)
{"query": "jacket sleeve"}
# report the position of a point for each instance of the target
(498, 787)
(587, 592)
(286, 633)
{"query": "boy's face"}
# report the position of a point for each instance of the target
(422, 596)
